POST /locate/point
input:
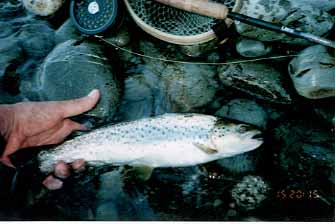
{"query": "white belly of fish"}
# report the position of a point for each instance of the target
(167, 141)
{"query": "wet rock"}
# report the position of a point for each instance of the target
(72, 70)
(10, 53)
(197, 50)
(242, 163)
(303, 17)
(36, 39)
(305, 151)
(121, 38)
(154, 87)
(252, 48)
(326, 110)
(6, 29)
(250, 192)
(67, 32)
(188, 86)
(11, 9)
(43, 7)
(244, 110)
(114, 203)
(257, 79)
(313, 72)
(325, 5)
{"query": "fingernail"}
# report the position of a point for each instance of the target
(78, 165)
(52, 184)
(7, 162)
(62, 170)
(93, 92)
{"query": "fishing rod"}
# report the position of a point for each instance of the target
(220, 11)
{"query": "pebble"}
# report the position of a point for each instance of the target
(252, 48)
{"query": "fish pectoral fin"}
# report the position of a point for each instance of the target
(205, 148)
(142, 173)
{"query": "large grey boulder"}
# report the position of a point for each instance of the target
(73, 69)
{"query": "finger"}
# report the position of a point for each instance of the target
(74, 107)
(67, 128)
(13, 144)
(78, 165)
(62, 170)
(55, 135)
(52, 183)
(5, 160)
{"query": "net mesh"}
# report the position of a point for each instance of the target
(171, 20)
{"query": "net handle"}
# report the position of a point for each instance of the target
(203, 7)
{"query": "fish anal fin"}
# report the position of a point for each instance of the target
(205, 148)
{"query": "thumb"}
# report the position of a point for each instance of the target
(74, 107)
(5, 160)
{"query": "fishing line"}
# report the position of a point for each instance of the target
(192, 62)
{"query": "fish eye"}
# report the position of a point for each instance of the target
(242, 128)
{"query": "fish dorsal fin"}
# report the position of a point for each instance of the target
(143, 172)
(205, 148)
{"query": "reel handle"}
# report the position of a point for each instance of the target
(202, 7)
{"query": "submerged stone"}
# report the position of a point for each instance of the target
(257, 79)
(244, 110)
(67, 31)
(10, 53)
(305, 151)
(155, 86)
(36, 39)
(120, 38)
(313, 73)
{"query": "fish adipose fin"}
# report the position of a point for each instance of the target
(142, 173)
(205, 148)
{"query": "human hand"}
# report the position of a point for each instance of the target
(29, 124)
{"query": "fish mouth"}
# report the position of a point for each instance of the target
(258, 136)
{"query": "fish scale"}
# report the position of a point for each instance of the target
(169, 140)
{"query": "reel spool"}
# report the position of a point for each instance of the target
(96, 16)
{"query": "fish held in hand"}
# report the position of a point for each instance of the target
(169, 140)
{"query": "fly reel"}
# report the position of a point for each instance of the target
(96, 16)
